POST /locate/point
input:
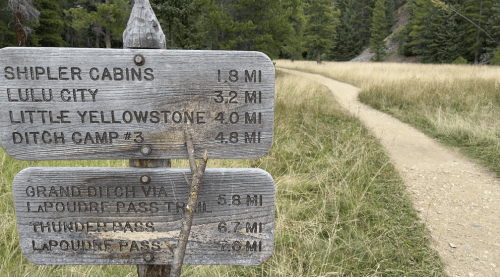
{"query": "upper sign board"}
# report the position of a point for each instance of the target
(132, 215)
(77, 103)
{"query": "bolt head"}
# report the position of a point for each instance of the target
(148, 257)
(139, 60)
(145, 150)
(145, 179)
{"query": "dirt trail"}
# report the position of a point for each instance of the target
(458, 200)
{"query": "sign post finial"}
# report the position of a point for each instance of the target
(143, 29)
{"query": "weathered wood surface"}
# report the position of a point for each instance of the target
(148, 270)
(99, 104)
(143, 29)
(119, 224)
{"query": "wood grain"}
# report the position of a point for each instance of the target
(143, 29)
(133, 36)
(41, 188)
(177, 84)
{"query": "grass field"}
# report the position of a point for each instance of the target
(342, 209)
(457, 104)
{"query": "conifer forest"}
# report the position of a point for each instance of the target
(435, 31)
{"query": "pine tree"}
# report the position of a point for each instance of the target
(70, 35)
(416, 31)
(379, 30)
(48, 31)
(297, 20)
(257, 25)
(320, 31)
(446, 42)
(477, 11)
(7, 31)
(493, 42)
(347, 44)
(217, 25)
(495, 59)
(390, 7)
(494, 24)
(108, 18)
(365, 8)
(263, 25)
(180, 20)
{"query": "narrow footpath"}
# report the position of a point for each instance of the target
(458, 200)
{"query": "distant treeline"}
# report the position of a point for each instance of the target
(438, 31)
(445, 31)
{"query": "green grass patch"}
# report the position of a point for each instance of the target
(341, 207)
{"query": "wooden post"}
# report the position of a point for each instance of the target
(144, 31)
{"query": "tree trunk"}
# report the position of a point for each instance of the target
(20, 36)
(171, 31)
(96, 40)
(478, 47)
(108, 39)
(107, 36)
(362, 26)
(318, 58)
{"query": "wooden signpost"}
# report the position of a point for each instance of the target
(121, 215)
(75, 103)
(149, 106)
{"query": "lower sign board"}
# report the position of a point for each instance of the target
(77, 103)
(123, 215)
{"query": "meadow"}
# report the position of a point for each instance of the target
(459, 105)
(341, 207)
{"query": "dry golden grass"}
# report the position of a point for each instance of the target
(341, 208)
(457, 104)
(366, 74)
